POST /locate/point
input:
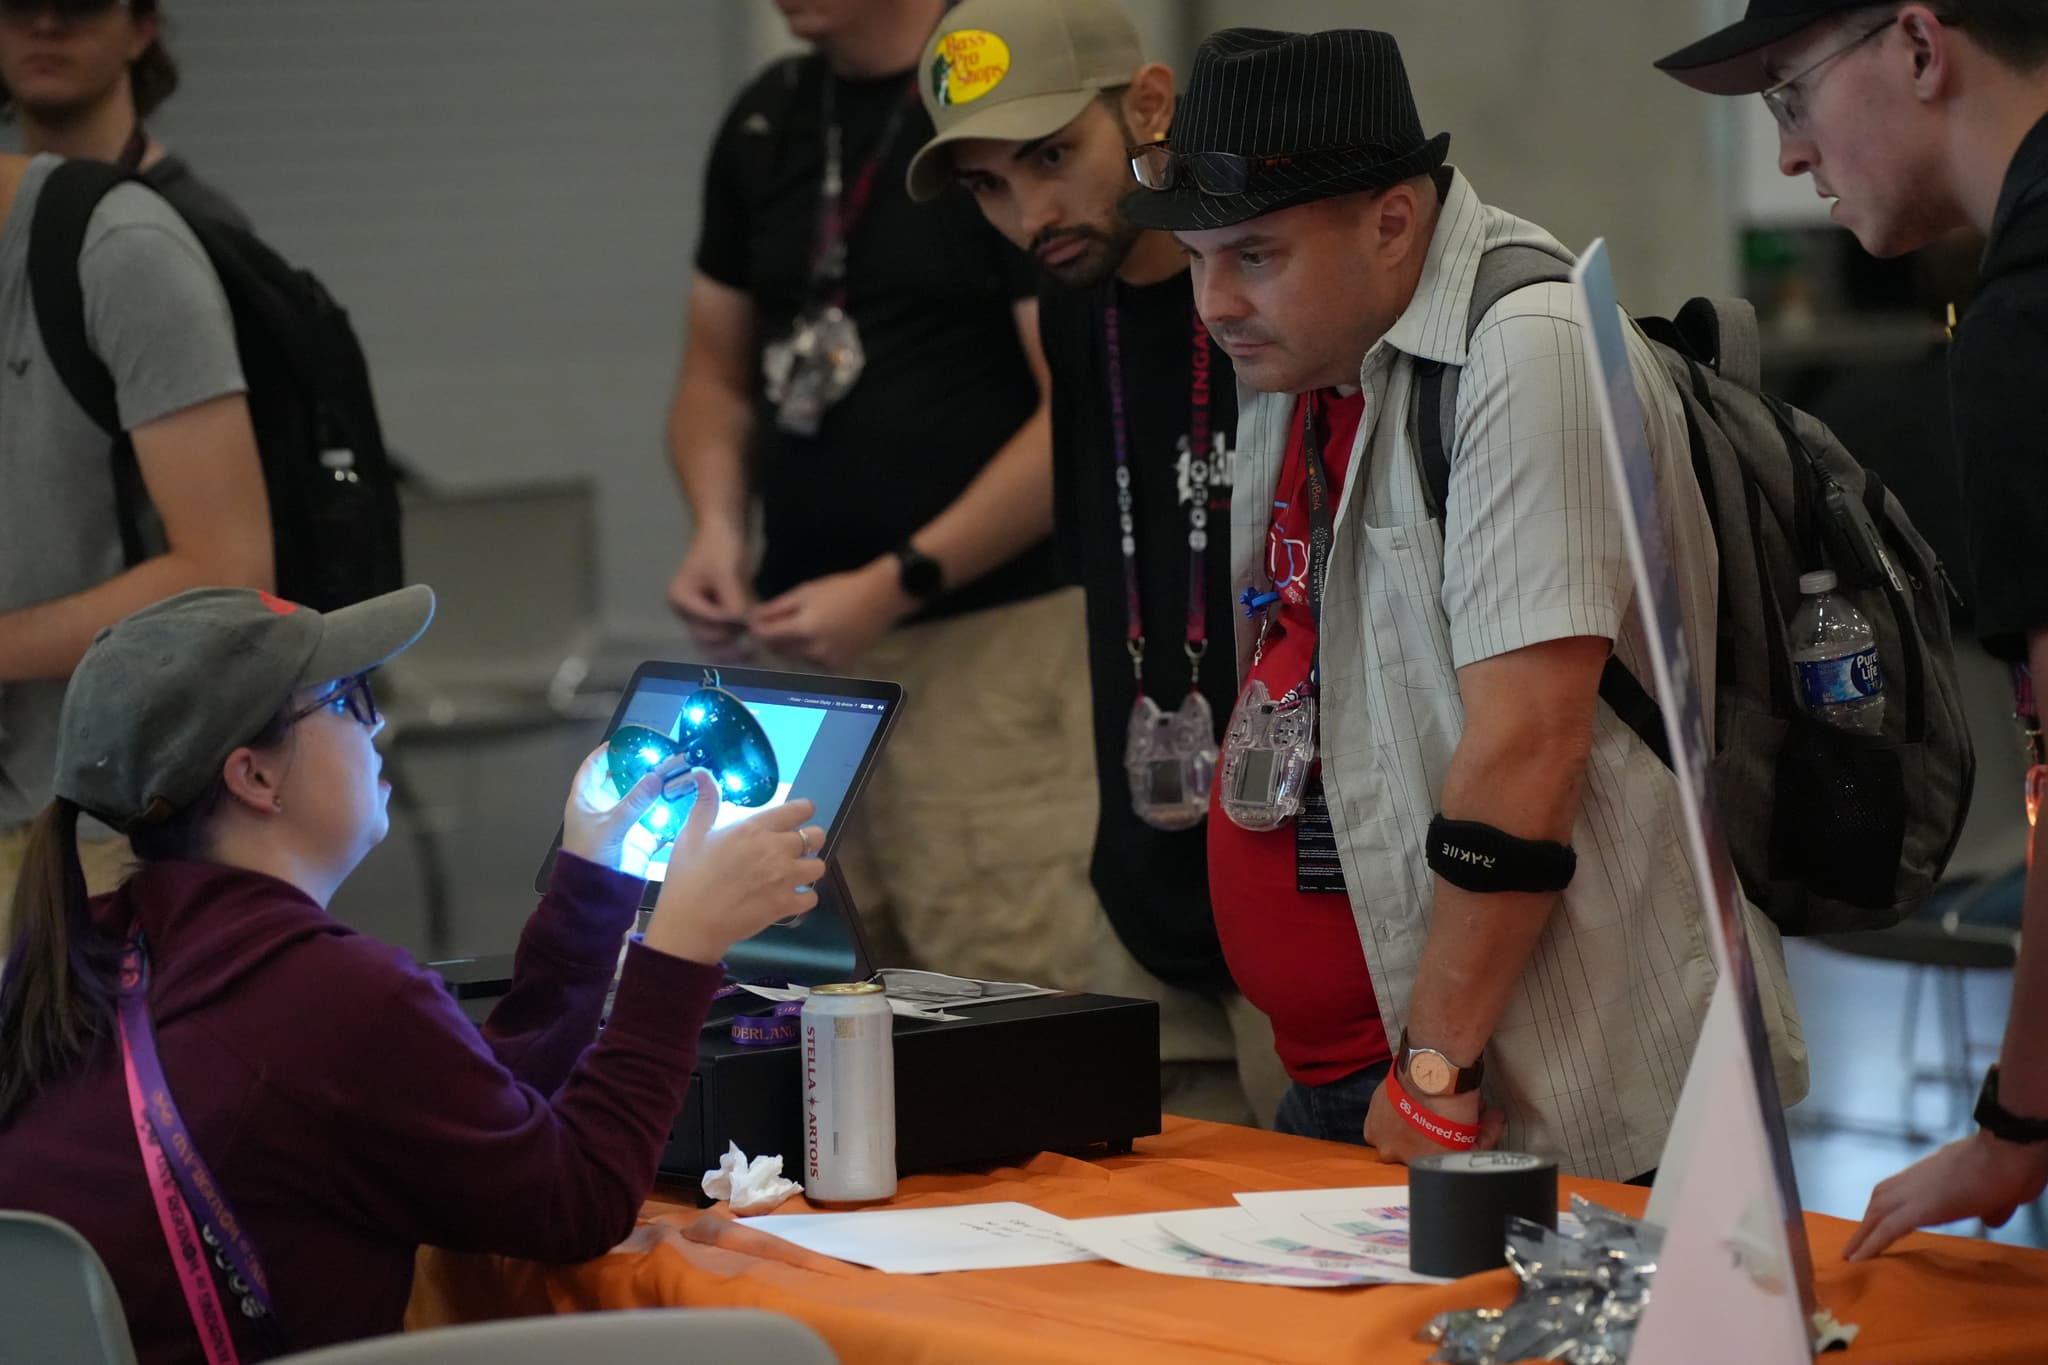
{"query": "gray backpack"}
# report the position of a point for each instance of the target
(1830, 831)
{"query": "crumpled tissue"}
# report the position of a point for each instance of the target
(753, 1186)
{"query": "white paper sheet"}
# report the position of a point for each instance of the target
(1139, 1240)
(1367, 1219)
(926, 1241)
(1353, 1218)
(1241, 1235)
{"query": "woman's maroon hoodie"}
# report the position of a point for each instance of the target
(352, 1112)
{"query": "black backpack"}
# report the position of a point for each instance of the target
(1830, 832)
(333, 493)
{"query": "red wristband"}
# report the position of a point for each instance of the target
(1437, 1129)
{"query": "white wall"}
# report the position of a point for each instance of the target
(504, 194)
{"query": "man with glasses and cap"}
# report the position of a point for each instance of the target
(1420, 741)
(1143, 407)
(1917, 120)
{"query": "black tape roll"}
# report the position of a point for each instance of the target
(1459, 1204)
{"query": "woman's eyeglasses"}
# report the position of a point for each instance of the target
(352, 695)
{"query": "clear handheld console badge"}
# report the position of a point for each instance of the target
(1267, 754)
(1170, 759)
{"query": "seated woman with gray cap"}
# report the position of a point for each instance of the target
(205, 1054)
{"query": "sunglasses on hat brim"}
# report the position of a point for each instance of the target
(1158, 166)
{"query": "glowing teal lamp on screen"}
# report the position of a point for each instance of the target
(715, 731)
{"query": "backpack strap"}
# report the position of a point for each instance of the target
(1503, 271)
(64, 209)
(56, 238)
(1723, 333)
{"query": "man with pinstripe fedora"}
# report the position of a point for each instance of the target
(1432, 592)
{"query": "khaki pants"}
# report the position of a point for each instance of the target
(106, 862)
(969, 853)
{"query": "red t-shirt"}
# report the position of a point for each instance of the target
(1295, 956)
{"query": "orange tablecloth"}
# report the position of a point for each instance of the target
(1929, 1299)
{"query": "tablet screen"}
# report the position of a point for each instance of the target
(826, 733)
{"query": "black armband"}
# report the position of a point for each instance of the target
(1476, 857)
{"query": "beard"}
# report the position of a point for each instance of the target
(1106, 249)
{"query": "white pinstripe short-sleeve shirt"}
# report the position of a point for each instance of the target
(1589, 1058)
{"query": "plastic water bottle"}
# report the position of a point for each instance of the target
(1835, 656)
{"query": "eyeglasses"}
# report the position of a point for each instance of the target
(352, 695)
(1788, 103)
(1159, 167)
(22, 11)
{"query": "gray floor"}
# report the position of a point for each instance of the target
(1865, 1116)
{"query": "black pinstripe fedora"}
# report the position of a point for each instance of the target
(1271, 120)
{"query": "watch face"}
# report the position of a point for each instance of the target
(919, 573)
(1430, 1073)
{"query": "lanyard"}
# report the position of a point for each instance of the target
(133, 150)
(190, 1204)
(2028, 713)
(840, 208)
(1321, 520)
(1197, 640)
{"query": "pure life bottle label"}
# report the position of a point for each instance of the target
(1853, 677)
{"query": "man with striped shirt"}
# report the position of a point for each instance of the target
(1508, 853)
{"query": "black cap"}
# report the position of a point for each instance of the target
(1336, 104)
(1730, 62)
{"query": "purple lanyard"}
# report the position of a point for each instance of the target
(190, 1204)
(840, 206)
(1197, 642)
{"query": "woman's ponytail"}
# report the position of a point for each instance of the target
(57, 995)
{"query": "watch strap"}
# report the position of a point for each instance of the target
(918, 572)
(1995, 1119)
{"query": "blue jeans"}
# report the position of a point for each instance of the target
(1333, 1111)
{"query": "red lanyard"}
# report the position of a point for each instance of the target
(1197, 641)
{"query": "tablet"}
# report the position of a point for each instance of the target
(826, 733)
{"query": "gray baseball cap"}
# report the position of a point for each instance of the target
(1014, 70)
(163, 696)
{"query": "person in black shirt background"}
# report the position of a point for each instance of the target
(1916, 120)
(865, 371)
(1037, 135)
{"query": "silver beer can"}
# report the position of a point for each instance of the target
(849, 1080)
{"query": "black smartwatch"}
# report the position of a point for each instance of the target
(1999, 1121)
(918, 572)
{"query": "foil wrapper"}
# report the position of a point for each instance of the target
(1581, 1296)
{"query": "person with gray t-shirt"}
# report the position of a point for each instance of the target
(156, 317)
